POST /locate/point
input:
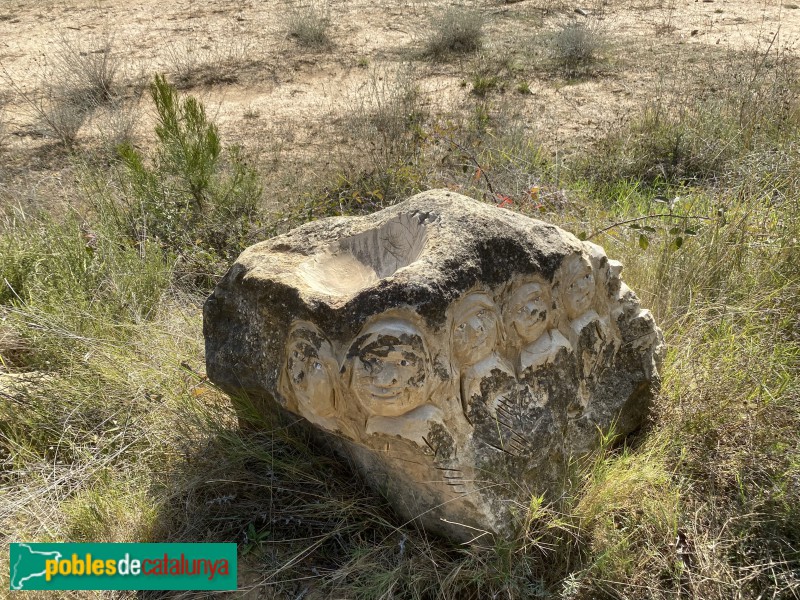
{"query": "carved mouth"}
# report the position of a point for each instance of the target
(480, 343)
(584, 299)
(386, 394)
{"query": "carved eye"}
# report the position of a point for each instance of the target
(462, 327)
(481, 313)
(404, 363)
(317, 365)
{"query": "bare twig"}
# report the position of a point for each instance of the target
(653, 216)
(472, 158)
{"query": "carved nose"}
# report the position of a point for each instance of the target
(385, 379)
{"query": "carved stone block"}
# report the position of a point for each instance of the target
(459, 355)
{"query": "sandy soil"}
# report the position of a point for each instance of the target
(288, 104)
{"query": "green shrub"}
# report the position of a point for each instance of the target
(192, 197)
(670, 146)
(483, 84)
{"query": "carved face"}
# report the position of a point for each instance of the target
(527, 310)
(607, 273)
(390, 368)
(475, 328)
(578, 286)
(309, 365)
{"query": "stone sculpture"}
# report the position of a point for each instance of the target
(457, 354)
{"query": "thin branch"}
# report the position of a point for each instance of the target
(470, 156)
(657, 215)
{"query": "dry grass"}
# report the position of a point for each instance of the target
(309, 25)
(117, 123)
(578, 48)
(194, 62)
(91, 65)
(3, 128)
(459, 30)
(81, 75)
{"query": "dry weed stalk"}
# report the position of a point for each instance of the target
(193, 63)
(309, 25)
(458, 30)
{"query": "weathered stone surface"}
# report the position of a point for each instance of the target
(459, 355)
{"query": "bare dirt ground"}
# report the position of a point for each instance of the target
(288, 105)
